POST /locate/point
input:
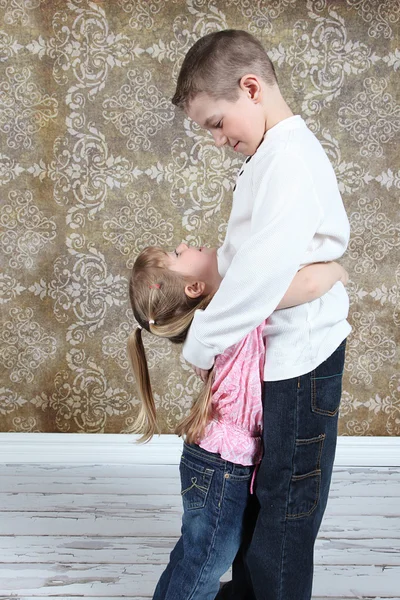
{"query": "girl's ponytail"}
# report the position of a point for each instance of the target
(146, 422)
(193, 426)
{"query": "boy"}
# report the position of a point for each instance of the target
(286, 212)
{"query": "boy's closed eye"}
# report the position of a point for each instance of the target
(213, 123)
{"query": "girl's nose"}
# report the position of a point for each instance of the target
(182, 246)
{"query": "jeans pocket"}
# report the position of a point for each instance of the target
(195, 483)
(240, 473)
(326, 384)
(306, 477)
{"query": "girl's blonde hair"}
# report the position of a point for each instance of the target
(158, 294)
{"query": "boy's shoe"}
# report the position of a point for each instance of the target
(224, 591)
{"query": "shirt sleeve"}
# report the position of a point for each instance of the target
(222, 260)
(285, 218)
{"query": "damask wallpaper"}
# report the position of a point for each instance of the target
(96, 164)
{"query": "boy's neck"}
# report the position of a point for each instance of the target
(275, 108)
(272, 120)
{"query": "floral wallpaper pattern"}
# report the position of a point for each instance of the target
(96, 164)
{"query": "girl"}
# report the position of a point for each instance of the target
(223, 429)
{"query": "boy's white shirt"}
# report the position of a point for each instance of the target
(287, 212)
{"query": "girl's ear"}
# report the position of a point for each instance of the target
(251, 85)
(196, 289)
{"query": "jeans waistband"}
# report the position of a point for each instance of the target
(211, 457)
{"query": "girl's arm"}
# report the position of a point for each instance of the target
(312, 282)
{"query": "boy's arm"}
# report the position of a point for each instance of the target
(312, 282)
(285, 218)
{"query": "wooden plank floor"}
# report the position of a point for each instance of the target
(105, 532)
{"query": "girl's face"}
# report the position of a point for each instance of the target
(199, 265)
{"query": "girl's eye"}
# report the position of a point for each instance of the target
(219, 124)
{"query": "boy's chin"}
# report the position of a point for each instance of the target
(247, 149)
(247, 154)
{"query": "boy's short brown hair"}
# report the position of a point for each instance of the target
(216, 63)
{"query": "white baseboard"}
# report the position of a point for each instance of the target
(76, 448)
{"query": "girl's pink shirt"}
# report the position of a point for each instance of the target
(235, 431)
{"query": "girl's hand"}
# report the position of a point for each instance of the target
(344, 276)
(202, 373)
(312, 282)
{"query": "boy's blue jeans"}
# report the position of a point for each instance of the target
(292, 485)
(215, 495)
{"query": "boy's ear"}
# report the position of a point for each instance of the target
(196, 289)
(251, 85)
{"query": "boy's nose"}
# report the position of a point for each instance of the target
(182, 246)
(219, 138)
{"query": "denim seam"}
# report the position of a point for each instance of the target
(222, 491)
(208, 474)
(215, 460)
(321, 447)
(287, 501)
(221, 462)
(316, 473)
(314, 506)
(240, 477)
(197, 468)
(194, 484)
(329, 376)
(211, 548)
(301, 442)
(315, 409)
(301, 477)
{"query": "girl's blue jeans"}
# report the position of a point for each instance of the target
(215, 495)
(292, 485)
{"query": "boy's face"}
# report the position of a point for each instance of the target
(197, 264)
(240, 124)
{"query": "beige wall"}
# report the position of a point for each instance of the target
(96, 164)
